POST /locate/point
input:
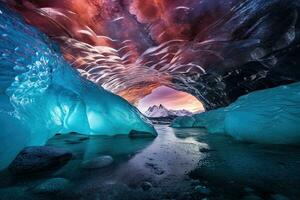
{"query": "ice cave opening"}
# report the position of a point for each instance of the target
(170, 99)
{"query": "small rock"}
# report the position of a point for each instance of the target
(205, 150)
(140, 134)
(252, 197)
(98, 162)
(155, 168)
(202, 190)
(39, 158)
(52, 185)
(146, 186)
(279, 197)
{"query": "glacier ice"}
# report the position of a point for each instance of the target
(41, 94)
(209, 120)
(183, 122)
(266, 116)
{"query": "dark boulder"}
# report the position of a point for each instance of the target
(39, 158)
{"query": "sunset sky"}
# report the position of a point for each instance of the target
(171, 99)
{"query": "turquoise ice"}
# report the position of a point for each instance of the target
(266, 116)
(41, 94)
(211, 120)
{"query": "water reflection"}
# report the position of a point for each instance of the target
(231, 165)
(226, 166)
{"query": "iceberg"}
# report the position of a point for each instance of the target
(211, 120)
(41, 94)
(184, 122)
(269, 116)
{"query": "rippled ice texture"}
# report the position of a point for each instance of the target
(266, 116)
(41, 95)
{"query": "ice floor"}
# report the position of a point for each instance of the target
(178, 164)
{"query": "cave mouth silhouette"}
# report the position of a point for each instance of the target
(215, 50)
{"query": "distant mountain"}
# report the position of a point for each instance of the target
(161, 111)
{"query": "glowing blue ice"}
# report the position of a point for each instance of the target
(41, 95)
(266, 116)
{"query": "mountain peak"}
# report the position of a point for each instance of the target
(161, 111)
(161, 106)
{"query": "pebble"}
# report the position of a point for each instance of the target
(146, 186)
(98, 162)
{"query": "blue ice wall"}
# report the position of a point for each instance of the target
(41, 94)
(266, 116)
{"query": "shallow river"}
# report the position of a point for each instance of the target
(177, 164)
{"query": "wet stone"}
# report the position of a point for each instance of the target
(140, 134)
(97, 163)
(39, 158)
(205, 150)
(146, 186)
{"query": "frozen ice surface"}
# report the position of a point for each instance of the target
(212, 121)
(266, 116)
(41, 94)
(183, 122)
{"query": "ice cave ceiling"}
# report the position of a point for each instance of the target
(216, 50)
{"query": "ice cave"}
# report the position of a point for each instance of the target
(149, 99)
